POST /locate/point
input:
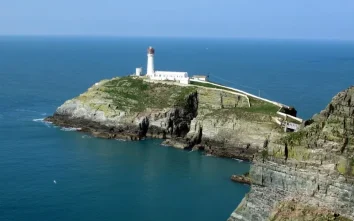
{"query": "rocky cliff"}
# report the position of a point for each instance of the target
(307, 175)
(218, 121)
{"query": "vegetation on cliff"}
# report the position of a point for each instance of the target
(257, 106)
(296, 211)
(327, 138)
(219, 121)
(308, 174)
(137, 95)
(131, 94)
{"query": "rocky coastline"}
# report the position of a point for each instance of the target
(307, 172)
(189, 125)
(308, 175)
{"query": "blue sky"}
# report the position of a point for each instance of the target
(305, 19)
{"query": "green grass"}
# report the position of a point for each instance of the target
(342, 166)
(238, 113)
(346, 166)
(255, 113)
(298, 210)
(293, 139)
(137, 95)
(210, 86)
(257, 106)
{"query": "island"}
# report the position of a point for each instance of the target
(301, 169)
(307, 172)
(201, 116)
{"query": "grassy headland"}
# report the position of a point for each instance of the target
(137, 95)
(257, 106)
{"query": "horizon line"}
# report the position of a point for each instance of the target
(175, 37)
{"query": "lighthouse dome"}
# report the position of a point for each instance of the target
(151, 50)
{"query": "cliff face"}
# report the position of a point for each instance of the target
(307, 175)
(220, 122)
(237, 132)
(130, 108)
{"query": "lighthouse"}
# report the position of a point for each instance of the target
(181, 77)
(150, 63)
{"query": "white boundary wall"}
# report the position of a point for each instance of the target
(254, 96)
(287, 115)
(244, 92)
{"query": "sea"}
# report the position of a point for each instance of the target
(48, 173)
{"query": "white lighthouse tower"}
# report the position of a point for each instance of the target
(150, 63)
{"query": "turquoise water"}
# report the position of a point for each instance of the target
(100, 179)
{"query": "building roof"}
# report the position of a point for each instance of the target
(170, 72)
(200, 76)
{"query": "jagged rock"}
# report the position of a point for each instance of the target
(307, 175)
(241, 179)
(313, 166)
(187, 115)
(143, 127)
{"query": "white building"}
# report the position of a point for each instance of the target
(139, 71)
(201, 77)
(181, 77)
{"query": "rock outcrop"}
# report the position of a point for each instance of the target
(305, 175)
(309, 174)
(221, 122)
(241, 179)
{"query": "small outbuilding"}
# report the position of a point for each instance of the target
(139, 71)
(201, 77)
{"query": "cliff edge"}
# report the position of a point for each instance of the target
(305, 175)
(220, 122)
(309, 174)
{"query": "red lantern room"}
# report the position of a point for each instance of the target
(151, 50)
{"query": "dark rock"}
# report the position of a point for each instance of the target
(241, 179)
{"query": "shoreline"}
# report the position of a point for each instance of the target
(130, 133)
